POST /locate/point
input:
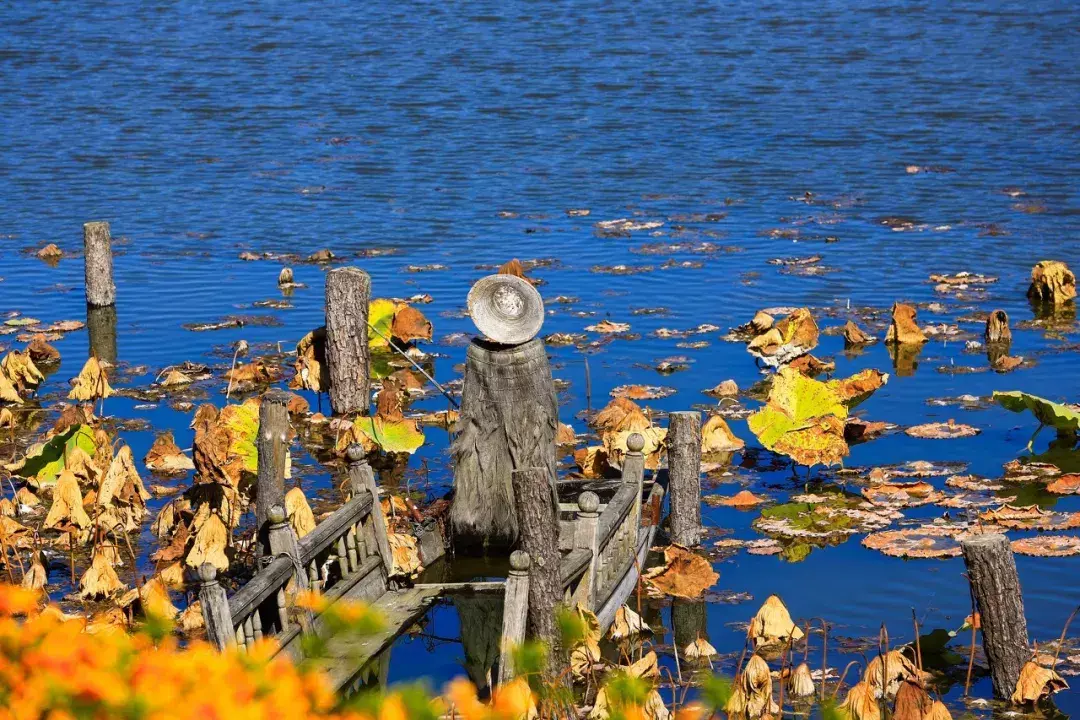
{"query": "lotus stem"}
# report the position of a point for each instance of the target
(971, 659)
(1031, 443)
(842, 676)
(918, 644)
(416, 365)
(1061, 640)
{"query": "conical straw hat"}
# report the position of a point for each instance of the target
(506, 309)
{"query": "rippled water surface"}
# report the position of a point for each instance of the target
(461, 135)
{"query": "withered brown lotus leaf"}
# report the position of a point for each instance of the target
(21, 371)
(1052, 282)
(741, 499)
(684, 574)
(40, 351)
(773, 623)
(912, 702)
(903, 330)
(855, 336)
(716, 436)
(409, 324)
(592, 461)
(942, 431)
(67, 505)
(621, 414)
(91, 383)
(925, 541)
(856, 388)
(1065, 485)
(1030, 517)
(100, 579)
(910, 494)
(997, 328)
(1047, 545)
(1036, 682)
(801, 682)
(165, 456)
(299, 512)
(209, 545)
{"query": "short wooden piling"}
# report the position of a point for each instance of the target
(509, 418)
(538, 525)
(689, 621)
(215, 608)
(101, 329)
(684, 476)
(348, 293)
(991, 570)
(272, 445)
(515, 612)
(97, 247)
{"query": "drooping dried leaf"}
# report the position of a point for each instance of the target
(773, 624)
(1035, 682)
(67, 504)
(621, 414)
(122, 483)
(153, 596)
(699, 650)
(409, 324)
(513, 267)
(100, 579)
(654, 437)
(1052, 282)
(406, 555)
(92, 382)
(565, 435)
(175, 379)
(310, 365)
(792, 337)
(853, 390)
(40, 351)
(912, 702)
(8, 393)
(904, 330)
(165, 456)
(886, 673)
(716, 436)
(21, 371)
(592, 461)
(627, 624)
(36, 576)
(801, 682)
(209, 545)
(860, 703)
(299, 512)
(854, 335)
(684, 574)
(757, 687)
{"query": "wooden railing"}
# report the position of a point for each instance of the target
(347, 550)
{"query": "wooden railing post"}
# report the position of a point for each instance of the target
(991, 570)
(348, 292)
(633, 471)
(515, 611)
(215, 608)
(585, 538)
(362, 478)
(272, 444)
(684, 476)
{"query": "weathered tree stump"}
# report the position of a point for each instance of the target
(98, 264)
(509, 418)
(272, 445)
(348, 292)
(101, 328)
(995, 583)
(538, 527)
(684, 476)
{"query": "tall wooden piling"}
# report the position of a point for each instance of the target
(515, 611)
(538, 525)
(348, 293)
(97, 248)
(991, 569)
(272, 445)
(684, 476)
(509, 418)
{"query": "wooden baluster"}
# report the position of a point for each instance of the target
(240, 642)
(515, 611)
(354, 553)
(256, 624)
(283, 541)
(375, 530)
(313, 575)
(249, 630)
(215, 607)
(633, 472)
(283, 610)
(343, 558)
(585, 538)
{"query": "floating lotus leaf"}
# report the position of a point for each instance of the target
(826, 518)
(902, 494)
(802, 419)
(1065, 485)
(642, 392)
(1030, 517)
(399, 436)
(1047, 545)
(742, 499)
(684, 574)
(926, 541)
(942, 431)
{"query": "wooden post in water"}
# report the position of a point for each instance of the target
(101, 329)
(689, 621)
(272, 445)
(362, 478)
(684, 476)
(515, 611)
(509, 418)
(991, 569)
(348, 292)
(538, 526)
(98, 264)
(215, 608)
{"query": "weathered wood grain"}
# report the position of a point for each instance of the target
(348, 293)
(538, 528)
(272, 445)
(684, 476)
(98, 268)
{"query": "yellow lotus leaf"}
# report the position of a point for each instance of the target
(67, 505)
(683, 574)
(406, 555)
(792, 337)
(773, 623)
(209, 545)
(91, 383)
(173, 575)
(853, 390)
(716, 436)
(380, 317)
(8, 393)
(904, 330)
(700, 649)
(860, 703)
(21, 371)
(627, 624)
(399, 436)
(299, 512)
(621, 414)
(1052, 281)
(312, 372)
(100, 579)
(1035, 682)
(165, 456)
(122, 483)
(802, 419)
(7, 418)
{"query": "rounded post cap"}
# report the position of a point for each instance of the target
(355, 453)
(506, 309)
(276, 514)
(520, 560)
(588, 501)
(207, 572)
(635, 442)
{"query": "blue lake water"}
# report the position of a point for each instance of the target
(461, 135)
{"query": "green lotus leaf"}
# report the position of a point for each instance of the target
(44, 461)
(1063, 418)
(399, 436)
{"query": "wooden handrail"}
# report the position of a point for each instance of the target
(265, 583)
(573, 565)
(329, 530)
(617, 509)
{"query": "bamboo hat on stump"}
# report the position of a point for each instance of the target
(506, 309)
